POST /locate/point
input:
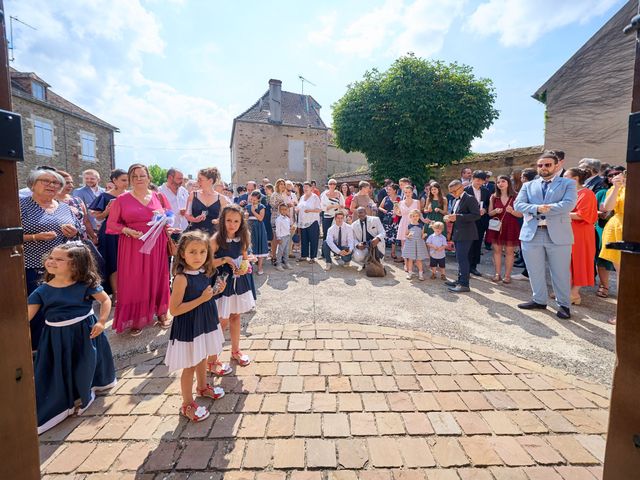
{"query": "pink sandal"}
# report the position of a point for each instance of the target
(194, 412)
(214, 393)
(242, 359)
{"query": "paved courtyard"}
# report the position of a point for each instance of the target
(343, 401)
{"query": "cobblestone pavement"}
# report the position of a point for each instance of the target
(344, 402)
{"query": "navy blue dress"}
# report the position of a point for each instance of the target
(69, 365)
(259, 245)
(195, 334)
(107, 244)
(239, 296)
(267, 222)
(212, 211)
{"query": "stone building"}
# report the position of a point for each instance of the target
(57, 132)
(283, 135)
(588, 99)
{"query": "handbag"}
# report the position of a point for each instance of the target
(374, 267)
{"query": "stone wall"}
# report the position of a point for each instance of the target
(261, 150)
(589, 99)
(66, 142)
(499, 163)
(339, 161)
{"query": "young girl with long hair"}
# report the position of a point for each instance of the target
(74, 358)
(255, 213)
(435, 207)
(195, 333)
(230, 245)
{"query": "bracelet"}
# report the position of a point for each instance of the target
(33, 238)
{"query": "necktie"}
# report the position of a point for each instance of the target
(364, 234)
(340, 237)
(545, 186)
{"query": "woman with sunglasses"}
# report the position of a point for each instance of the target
(46, 223)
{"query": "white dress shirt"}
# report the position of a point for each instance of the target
(312, 203)
(345, 232)
(283, 226)
(178, 201)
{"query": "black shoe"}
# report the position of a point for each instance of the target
(563, 313)
(451, 283)
(532, 306)
(518, 263)
(459, 289)
(474, 271)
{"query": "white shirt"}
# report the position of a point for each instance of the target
(178, 201)
(312, 203)
(347, 239)
(325, 201)
(478, 194)
(283, 226)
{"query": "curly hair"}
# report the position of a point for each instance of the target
(221, 235)
(212, 173)
(179, 264)
(81, 262)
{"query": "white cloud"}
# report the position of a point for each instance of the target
(425, 24)
(493, 139)
(92, 54)
(394, 28)
(325, 33)
(522, 22)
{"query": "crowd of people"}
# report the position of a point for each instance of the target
(182, 255)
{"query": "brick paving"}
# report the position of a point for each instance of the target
(333, 402)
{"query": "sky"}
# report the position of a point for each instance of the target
(173, 74)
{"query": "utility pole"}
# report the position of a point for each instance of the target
(18, 429)
(307, 152)
(622, 455)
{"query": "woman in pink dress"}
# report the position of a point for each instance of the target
(404, 207)
(143, 278)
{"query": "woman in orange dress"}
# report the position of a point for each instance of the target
(583, 219)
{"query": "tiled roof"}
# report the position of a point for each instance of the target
(53, 99)
(297, 110)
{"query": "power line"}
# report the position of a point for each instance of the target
(142, 147)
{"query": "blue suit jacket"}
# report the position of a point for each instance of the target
(561, 196)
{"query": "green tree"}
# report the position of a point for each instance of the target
(158, 174)
(416, 115)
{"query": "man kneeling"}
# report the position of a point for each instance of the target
(367, 230)
(339, 242)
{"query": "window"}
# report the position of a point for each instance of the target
(43, 137)
(88, 146)
(38, 90)
(296, 155)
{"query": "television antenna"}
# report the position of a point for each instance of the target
(302, 79)
(11, 47)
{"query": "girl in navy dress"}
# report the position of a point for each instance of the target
(74, 358)
(230, 245)
(256, 212)
(195, 333)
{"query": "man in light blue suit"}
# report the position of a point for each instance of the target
(89, 191)
(546, 235)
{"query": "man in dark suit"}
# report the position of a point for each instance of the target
(478, 191)
(595, 182)
(464, 213)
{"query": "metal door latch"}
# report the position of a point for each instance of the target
(629, 247)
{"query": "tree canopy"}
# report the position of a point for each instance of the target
(158, 174)
(417, 114)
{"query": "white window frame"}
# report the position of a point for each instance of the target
(90, 138)
(38, 87)
(43, 132)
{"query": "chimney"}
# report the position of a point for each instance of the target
(275, 101)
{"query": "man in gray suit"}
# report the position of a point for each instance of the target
(546, 234)
(90, 191)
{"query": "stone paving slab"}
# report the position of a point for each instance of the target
(343, 401)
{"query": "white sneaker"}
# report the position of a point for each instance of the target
(360, 268)
(420, 276)
(409, 275)
(327, 267)
(286, 266)
(280, 268)
(519, 276)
